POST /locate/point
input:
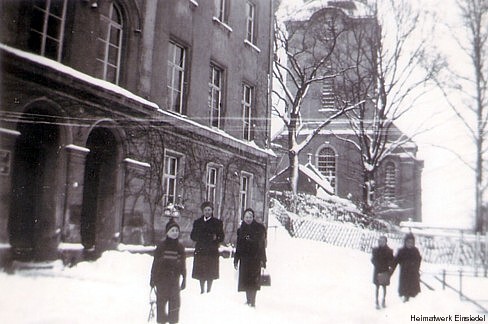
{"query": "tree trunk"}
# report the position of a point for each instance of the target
(293, 165)
(368, 192)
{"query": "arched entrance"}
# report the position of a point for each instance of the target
(99, 192)
(32, 217)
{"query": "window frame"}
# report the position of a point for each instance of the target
(179, 158)
(245, 194)
(331, 175)
(390, 189)
(327, 95)
(175, 68)
(247, 111)
(217, 186)
(250, 22)
(108, 23)
(222, 11)
(216, 120)
(47, 14)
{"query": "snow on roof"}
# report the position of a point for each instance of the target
(139, 163)
(304, 11)
(216, 131)
(119, 90)
(76, 74)
(314, 174)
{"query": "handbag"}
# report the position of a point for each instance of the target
(264, 278)
(383, 278)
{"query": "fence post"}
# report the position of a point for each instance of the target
(443, 279)
(476, 253)
(461, 284)
(485, 259)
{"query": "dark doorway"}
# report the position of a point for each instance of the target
(33, 211)
(98, 208)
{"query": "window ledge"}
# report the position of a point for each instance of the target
(176, 113)
(254, 47)
(217, 21)
(193, 2)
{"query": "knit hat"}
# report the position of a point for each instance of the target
(171, 224)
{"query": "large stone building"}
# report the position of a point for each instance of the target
(334, 151)
(113, 110)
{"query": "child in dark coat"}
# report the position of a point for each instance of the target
(382, 260)
(168, 265)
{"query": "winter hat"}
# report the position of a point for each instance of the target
(409, 236)
(171, 224)
(206, 204)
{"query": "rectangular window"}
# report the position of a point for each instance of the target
(110, 44)
(176, 77)
(245, 191)
(247, 106)
(211, 184)
(250, 22)
(215, 96)
(173, 166)
(222, 10)
(47, 28)
(328, 97)
(390, 181)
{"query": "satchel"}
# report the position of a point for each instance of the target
(265, 278)
(383, 278)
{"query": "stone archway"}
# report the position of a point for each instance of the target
(34, 203)
(99, 207)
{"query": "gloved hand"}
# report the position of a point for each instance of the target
(263, 264)
(152, 284)
(236, 264)
(183, 284)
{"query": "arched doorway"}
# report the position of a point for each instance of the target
(32, 217)
(99, 191)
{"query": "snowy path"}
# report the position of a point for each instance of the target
(311, 283)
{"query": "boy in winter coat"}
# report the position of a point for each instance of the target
(168, 265)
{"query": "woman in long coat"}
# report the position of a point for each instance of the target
(382, 259)
(250, 255)
(208, 233)
(408, 257)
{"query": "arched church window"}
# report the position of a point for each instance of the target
(326, 163)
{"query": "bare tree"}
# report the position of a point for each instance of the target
(466, 90)
(393, 64)
(303, 50)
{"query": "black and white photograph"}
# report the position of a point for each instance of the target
(243, 161)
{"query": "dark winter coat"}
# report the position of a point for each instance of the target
(168, 265)
(382, 260)
(208, 235)
(409, 260)
(251, 254)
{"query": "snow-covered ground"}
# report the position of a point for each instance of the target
(312, 282)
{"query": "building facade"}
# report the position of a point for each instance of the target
(117, 112)
(334, 151)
